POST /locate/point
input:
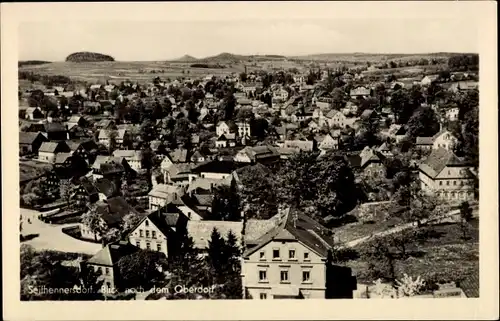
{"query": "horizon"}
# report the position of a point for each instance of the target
(170, 40)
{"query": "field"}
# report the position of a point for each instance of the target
(443, 257)
(117, 71)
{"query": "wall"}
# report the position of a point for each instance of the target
(315, 266)
(214, 175)
(136, 239)
(46, 157)
(107, 274)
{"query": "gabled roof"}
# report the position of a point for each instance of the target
(50, 147)
(332, 113)
(167, 218)
(438, 160)
(88, 186)
(303, 145)
(294, 226)
(29, 137)
(201, 231)
(54, 127)
(107, 187)
(132, 154)
(230, 124)
(114, 209)
(104, 133)
(216, 166)
(179, 155)
(369, 156)
(165, 191)
(62, 157)
(259, 152)
(111, 254)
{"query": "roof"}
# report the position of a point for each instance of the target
(367, 113)
(368, 155)
(164, 191)
(179, 169)
(49, 147)
(104, 133)
(424, 140)
(294, 225)
(62, 157)
(29, 137)
(232, 126)
(383, 147)
(111, 254)
(167, 218)
(360, 91)
(255, 229)
(207, 183)
(216, 166)
(260, 152)
(332, 113)
(201, 231)
(438, 160)
(114, 209)
(132, 154)
(88, 186)
(299, 144)
(75, 119)
(54, 127)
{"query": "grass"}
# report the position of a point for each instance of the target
(32, 169)
(442, 257)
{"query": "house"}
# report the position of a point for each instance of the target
(280, 95)
(133, 157)
(301, 115)
(286, 257)
(243, 129)
(179, 174)
(110, 167)
(198, 157)
(427, 80)
(384, 150)
(226, 127)
(48, 151)
(105, 262)
(226, 140)
(452, 113)
(313, 126)
(92, 107)
(447, 176)
(257, 154)
(105, 136)
(369, 162)
(215, 169)
(85, 191)
(299, 145)
(201, 231)
(334, 119)
(29, 143)
(111, 213)
(179, 155)
(368, 113)
(463, 86)
(443, 139)
(83, 148)
(106, 189)
(76, 120)
(68, 165)
(158, 230)
(55, 131)
(105, 124)
(162, 194)
(328, 142)
(360, 92)
(33, 113)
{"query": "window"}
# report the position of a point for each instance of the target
(263, 296)
(454, 182)
(440, 183)
(447, 183)
(141, 233)
(148, 245)
(276, 254)
(147, 233)
(146, 223)
(306, 256)
(262, 275)
(107, 271)
(138, 244)
(284, 276)
(153, 234)
(262, 255)
(291, 254)
(158, 247)
(306, 276)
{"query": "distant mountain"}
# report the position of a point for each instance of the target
(85, 56)
(186, 58)
(226, 57)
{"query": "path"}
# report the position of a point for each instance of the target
(400, 228)
(51, 236)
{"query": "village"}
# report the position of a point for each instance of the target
(317, 181)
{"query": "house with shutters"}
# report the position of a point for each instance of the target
(447, 176)
(285, 257)
(158, 230)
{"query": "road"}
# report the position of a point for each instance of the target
(51, 237)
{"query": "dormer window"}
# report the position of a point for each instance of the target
(146, 223)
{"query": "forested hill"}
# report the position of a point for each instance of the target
(88, 57)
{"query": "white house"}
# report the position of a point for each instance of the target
(133, 157)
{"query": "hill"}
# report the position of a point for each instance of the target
(226, 57)
(186, 58)
(85, 56)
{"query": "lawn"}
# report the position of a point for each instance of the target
(443, 256)
(32, 169)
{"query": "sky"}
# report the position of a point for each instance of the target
(133, 40)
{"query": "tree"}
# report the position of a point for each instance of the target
(66, 191)
(92, 219)
(141, 269)
(424, 122)
(147, 160)
(112, 134)
(257, 192)
(379, 259)
(226, 203)
(465, 217)
(243, 77)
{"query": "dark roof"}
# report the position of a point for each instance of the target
(111, 254)
(114, 210)
(438, 160)
(354, 160)
(88, 186)
(29, 137)
(54, 127)
(61, 158)
(111, 168)
(168, 217)
(294, 225)
(179, 155)
(216, 166)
